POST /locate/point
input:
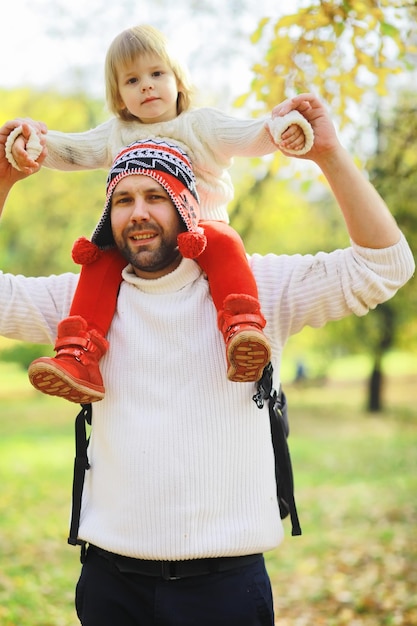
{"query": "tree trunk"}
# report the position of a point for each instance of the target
(375, 387)
(385, 314)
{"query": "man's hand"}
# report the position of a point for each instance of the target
(9, 175)
(314, 111)
(24, 145)
(7, 171)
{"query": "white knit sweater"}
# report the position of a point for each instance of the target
(181, 458)
(209, 137)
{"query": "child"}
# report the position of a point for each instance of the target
(149, 93)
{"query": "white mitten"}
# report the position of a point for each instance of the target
(33, 146)
(279, 125)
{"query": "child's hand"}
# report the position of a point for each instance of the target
(291, 132)
(293, 138)
(315, 113)
(20, 154)
(25, 144)
(9, 174)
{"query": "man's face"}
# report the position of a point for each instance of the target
(145, 226)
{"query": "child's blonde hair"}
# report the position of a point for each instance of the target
(124, 49)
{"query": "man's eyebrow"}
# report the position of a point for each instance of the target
(117, 195)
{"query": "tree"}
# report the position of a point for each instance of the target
(348, 51)
(47, 212)
(345, 50)
(393, 171)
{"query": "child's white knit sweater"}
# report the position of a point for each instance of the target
(181, 458)
(208, 136)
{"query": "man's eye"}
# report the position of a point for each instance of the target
(157, 197)
(124, 200)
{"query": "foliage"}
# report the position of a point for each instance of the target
(67, 210)
(24, 353)
(347, 51)
(393, 171)
(278, 215)
(344, 50)
(75, 112)
(393, 168)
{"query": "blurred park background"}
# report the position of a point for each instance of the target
(351, 386)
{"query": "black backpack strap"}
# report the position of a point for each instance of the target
(81, 465)
(278, 419)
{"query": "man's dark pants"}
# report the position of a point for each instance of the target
(105, 596)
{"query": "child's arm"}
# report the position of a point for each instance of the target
(92, 149)
(229, 137)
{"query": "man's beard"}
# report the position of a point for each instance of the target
(152, 260)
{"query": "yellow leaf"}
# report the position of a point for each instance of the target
(255, 37)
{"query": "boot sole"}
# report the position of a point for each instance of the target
(248, 353)
(51, 380)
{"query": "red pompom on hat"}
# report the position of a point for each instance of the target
(192, 244)
(170, 166)
(85, 252)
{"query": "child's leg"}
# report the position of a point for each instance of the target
(95, 298)
(74, 372)
(235, 296)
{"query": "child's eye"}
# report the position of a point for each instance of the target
(157, 73)
(132, 81)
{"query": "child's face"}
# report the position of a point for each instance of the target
(148, 89)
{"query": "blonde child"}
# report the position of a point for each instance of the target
(149, 93)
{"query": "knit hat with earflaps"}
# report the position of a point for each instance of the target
(171, 168)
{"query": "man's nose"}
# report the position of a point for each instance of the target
(140, 212)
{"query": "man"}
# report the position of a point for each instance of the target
(180, 501)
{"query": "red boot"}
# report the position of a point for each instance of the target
(247, 348)
(74, 372)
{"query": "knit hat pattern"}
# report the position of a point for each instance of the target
(170, 166)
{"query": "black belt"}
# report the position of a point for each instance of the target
(173, 570)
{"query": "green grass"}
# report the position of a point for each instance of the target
(38, 569)
(356, 485)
